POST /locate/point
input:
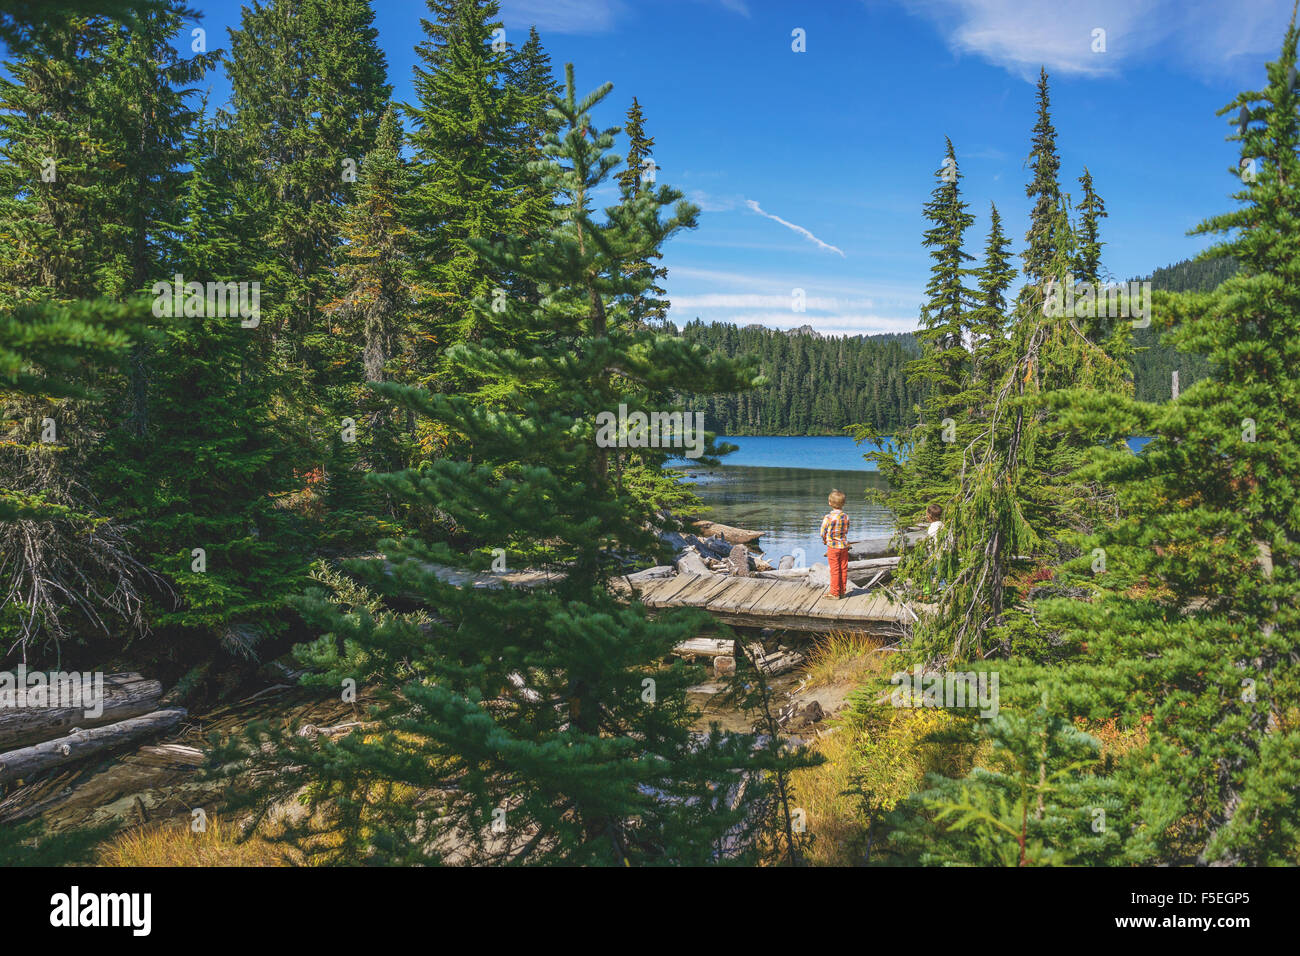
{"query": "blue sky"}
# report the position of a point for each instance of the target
(812, 167)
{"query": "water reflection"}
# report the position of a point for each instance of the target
(787, 504)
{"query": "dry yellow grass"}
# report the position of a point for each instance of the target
(177, 845)
(845, 657)
(876, 757)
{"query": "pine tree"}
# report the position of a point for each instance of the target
(1036, 799)
(1190, 630)
(640, 173)
(375, 310)
(470, 178)
(923, 468)
(546, 710)
(212, 460)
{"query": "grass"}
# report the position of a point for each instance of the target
(176, 845)
(845, 657)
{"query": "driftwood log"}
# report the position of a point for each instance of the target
(22, 763)
(125, 695)
(650, 574)
(732, 535)
(863, 568)
(690, 562)
(882, 547)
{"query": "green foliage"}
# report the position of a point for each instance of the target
(1034, 799)
(1193, 621)
(811, 384)
(548, 710)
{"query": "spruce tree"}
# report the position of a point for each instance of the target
(308, 87)
(1087, 264)
(989, 319)
(469, 129)
(375, 310)
(212, 461)
(546, 710)
(1191, 630)
(93, 127)
(1044, 192)
(640, 173)
(924, 466)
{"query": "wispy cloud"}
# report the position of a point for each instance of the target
(736, 6)
(563, 16)
(799, 229)
(1020, 35)
(708, 202)
(833, 307)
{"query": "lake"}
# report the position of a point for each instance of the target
(778, 485)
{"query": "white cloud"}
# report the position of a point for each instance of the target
(757, 301)
(736, 6)
(1020, 35)
(709, 202)
(563, 16)
(830, 306)
(799, 229)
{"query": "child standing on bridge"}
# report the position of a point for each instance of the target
(835, 535)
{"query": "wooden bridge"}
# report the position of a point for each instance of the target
(763, 602)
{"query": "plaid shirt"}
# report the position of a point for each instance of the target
(835, 530)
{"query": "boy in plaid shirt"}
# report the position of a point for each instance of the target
(835, 535)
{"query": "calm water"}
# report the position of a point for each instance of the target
(778, 485)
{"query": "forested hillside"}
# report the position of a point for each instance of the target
(1154, 363)
(816, 385)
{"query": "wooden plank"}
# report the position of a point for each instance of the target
(823, 607)
(665, 593)
(741, 595)
(705, 647)
(730, 588)
(780, 598)
(756, 595)
(702, 596)
(811, 596)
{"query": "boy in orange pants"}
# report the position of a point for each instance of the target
(835, 535)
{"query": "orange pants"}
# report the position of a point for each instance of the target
(838, 560)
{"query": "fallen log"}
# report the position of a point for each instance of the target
(125, 695)
(776, 663)
(690, 562)
(650, 574)
(715, 546)
(882, 547)
(860, 567)
(732, 535)
(80, 744)
(705, 647)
